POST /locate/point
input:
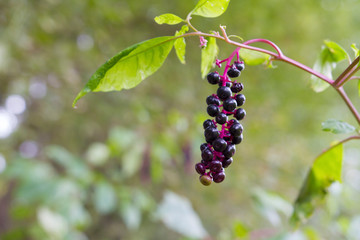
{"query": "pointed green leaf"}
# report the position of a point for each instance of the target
(253, 58)
(331, 53)
(168, 18)
(337, 126)
(208, 56)
(210, 8)
(129, 67)
(325, 170)
(180, 44)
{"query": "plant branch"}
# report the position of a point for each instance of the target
(347, 73)
(348, 102)
(340, 142)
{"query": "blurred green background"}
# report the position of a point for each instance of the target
(120, 165)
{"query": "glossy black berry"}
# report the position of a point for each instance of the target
(213, 78)
(239, 114)
(213, 110)
(227, 162)
(227, 84)
(237, 139)
(236, 129)
(216, 166)
(212, 100)
(207, 155)
(200, 168)
(219, 177)
(203, 146)
(229, 151)
(208, 123)
(219, 144)
(223, 93)
(211, 134)
(237, 87)
(205, 180)
(240, 99)
(221, 118)
(233, 72)
(229, 104)
(239, 65)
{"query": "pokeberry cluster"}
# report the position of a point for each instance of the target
(222, 133)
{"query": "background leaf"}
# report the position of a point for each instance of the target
(331, 53)
(253, 58)
(129, 67)
(325, 170)
(208, 56)
(337, 126)
(177, 214)
(168, 18)
(180, 44)
(210, 8)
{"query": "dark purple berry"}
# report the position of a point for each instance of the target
(229, 104)
(213, 110)
(200, 168)
(240, 99)
(239, 65)
(208, 123)
(237, 139)
(213, 78)
(219, 177)
(236, 129)
(227, 162)
(221, 118)
(233, 72)
(223, 93)
(228, 84)
(239, 114)
(229, 151)
(216, 166)
(207, 155)
(237, 87)
(205, 180)
(219, 144)
(203, 146)
(212, 100)
(211, 134)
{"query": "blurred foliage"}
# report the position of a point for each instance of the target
(103, 170)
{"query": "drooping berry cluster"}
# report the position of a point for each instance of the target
(219, 148)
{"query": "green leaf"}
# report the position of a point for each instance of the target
(104, 197)
(168, 18)
(359, 87)
(331, 53)
(210, 8)
(177, 214)
(208, 56)
(129, 67)
(356, 50)
(337, 126)
(180, 44)
(253, 58)
(325, 170)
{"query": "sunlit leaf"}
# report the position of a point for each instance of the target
(168, 18)
(337, 126)
(180, 44)
(210, 8)
(208, 56)
(129, 67)
(325, 170)
(331, 53)
(177, 214)
(253, 58)
(355, 49)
